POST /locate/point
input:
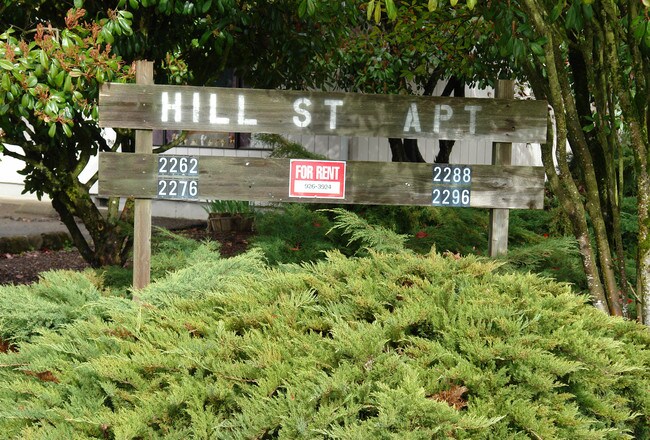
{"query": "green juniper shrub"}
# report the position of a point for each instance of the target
(292, 233)
(361, 235)
(391, 345)
(169, 252)
(554, 257)
(57, 299)
(456, 230)
(388, 345)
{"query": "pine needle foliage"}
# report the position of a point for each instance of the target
(365, 235)
(292, 234)
(286, 149)
(554, 257)
(389, 345)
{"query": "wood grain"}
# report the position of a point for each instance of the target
(501, 155)
(329, 113)
(142, 208)
(376, 183)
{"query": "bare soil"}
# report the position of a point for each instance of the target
(25, 268)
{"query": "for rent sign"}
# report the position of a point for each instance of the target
(317, 178)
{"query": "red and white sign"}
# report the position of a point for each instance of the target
(317, 178)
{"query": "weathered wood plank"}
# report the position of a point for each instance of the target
(501, 155)
(320, 113)
(142, 208)
(380, 183)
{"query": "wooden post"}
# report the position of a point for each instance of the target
(142, 213)
(501, 155)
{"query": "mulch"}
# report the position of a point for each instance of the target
(25, 268)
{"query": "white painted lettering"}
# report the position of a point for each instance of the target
(472, 109)
(214, 119)
(333, 103)
(412, 119)
(449, 112)
(327, 172)
(241, 119)
(196, 107)
(304, 172)
(166, 107)
(297, 107)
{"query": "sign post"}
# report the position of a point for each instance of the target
(142, 210)
(501, 155)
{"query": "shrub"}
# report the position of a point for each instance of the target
(60, 297)
(556, 258)
(390, 345)
(292, 234)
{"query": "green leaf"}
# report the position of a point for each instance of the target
(67, 86)
(377, 13)
(134, 4)
(52, 131)
(32, 81)
(44, 59)
(556, 11)
(78, 4)
(453, 2)
(67, 130)
(6, 64)
(471, 4)
(371, 8)
(6, 81)
(433, 5)
(536, 48)
(302, 10)
(60, 77)
(391, 10)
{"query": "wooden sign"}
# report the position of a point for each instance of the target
(380, 183)
(320, 113)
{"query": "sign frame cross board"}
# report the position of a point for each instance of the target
(146, 106)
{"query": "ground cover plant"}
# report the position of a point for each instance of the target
(379, 345)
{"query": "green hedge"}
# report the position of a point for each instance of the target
(389, 345)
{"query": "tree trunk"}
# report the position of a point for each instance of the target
(554, 80)
(643, 257)
(405, 150)
(108, 242)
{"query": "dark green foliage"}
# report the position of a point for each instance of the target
(455, 230)
(391, 345)
(292, 234)
(285, 149)
(362, 236)
(556, 258)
